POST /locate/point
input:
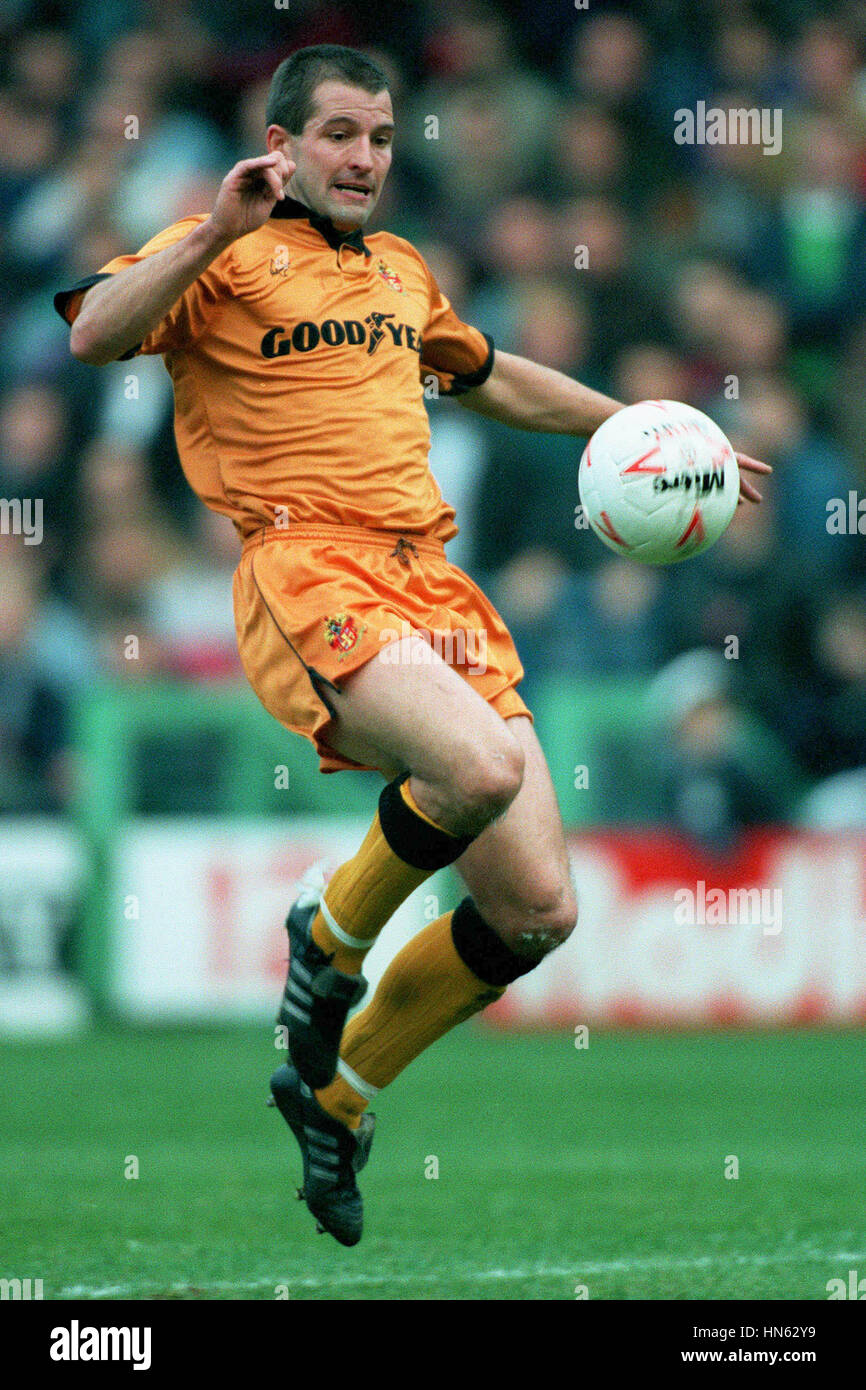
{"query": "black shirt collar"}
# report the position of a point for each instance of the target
(290, 207)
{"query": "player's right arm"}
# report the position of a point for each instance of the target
(120, 311)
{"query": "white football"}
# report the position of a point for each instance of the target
(659, 482)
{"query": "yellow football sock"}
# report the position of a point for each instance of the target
(426, 990)
(366, 891)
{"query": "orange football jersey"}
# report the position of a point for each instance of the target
(299, 360)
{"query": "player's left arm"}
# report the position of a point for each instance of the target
(532, 397)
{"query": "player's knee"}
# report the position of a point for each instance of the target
(555, 917)
(488, 778)
(547, 917)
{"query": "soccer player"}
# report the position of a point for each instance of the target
(298, 348)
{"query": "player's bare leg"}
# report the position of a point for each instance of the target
(455, 767)
(518, 870)
(406, 713)
(517, 866)
(410, 712)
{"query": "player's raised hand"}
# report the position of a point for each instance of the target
(249, 192)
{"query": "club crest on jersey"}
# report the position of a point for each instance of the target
(391, 278)
(343, 634)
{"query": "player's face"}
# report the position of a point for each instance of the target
(343, 154)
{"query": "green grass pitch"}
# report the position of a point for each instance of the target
(557, 1168)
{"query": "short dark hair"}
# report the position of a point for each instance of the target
(293, 85)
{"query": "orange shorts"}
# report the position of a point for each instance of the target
(314, 603)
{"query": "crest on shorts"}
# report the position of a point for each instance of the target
(343, 634)
(391, 278)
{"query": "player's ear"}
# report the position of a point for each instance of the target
(278, 138)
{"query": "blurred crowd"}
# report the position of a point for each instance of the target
(716, 274)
